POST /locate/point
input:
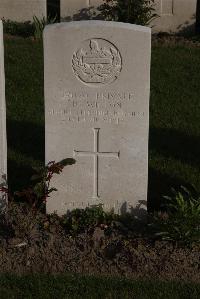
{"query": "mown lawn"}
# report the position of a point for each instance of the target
(78, 287)
(174, 115)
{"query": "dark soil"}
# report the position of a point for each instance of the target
(32, 242)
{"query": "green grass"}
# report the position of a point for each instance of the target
(75, 287)
(174, 116)
(174, 119)
(25, 109)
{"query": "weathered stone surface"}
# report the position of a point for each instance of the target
(3, 143)
(70, 9)
(174, 15)
(97, 81)
(22, 10)
(79, 9)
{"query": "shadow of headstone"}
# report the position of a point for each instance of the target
(170, 143)
(53, 9)
(198, 17)
(187, 28)
(30, 146)
(87, 13)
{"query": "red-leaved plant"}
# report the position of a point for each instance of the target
(37, 194)
(4, 190)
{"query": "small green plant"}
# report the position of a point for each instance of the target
(39, 25)
(37, 194)
(181, 219)
(28, 29)
(139, 12)
(80, 220)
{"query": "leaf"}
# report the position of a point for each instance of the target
(36, 177)
(38, 169)
(52, 190)
(162, 234)
(68, 161)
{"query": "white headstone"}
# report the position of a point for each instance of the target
(79, 9)
(3, 143)
(174, 15)
(97, 82)
(22, 10)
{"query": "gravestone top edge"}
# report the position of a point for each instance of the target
(91, 23)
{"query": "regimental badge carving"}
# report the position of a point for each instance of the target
(97, 62)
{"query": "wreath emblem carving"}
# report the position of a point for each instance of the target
(97, 62)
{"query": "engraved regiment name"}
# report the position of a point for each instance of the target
(98, 61)
(92, 107)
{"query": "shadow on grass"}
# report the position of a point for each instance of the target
(160, 185)
(175, 144)
(26, 141)
(26, 138)
(188, 27)
(170, 143)
(18, 175)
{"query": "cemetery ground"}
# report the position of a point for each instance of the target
(78, 287)
(34, 242)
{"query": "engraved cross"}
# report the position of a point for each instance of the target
(96, 154)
